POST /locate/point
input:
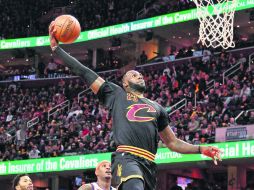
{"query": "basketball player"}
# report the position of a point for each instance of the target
(137, 123)
(103, 173)
(22, 182)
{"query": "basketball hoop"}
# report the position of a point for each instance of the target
(216, 22)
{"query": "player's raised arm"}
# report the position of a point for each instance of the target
(93, 80)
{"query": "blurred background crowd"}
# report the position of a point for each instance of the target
(35, 16)
(62, 117)
(85, 126)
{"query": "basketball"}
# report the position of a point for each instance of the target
(67, 29)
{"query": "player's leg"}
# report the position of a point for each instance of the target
(124, 168)
(134, 184)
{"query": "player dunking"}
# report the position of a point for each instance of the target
(103, 173)
(137, 121)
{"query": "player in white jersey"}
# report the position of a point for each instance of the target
(103, 173)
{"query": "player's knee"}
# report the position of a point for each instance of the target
(133, 184)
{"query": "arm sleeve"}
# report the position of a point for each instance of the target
(84, 72)
(163, 121)
(107, 94)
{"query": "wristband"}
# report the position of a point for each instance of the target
(54, 48)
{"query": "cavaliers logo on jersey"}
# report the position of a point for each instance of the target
(135, 108)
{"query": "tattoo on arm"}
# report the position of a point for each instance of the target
(186, 148)
(85, 187)
(177, 145)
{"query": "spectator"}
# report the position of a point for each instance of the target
(245, 90)
(143, 58)
(21, 134)
(51, 68)
(34, 153)
(206, 56)
(232, 122)
(174, 185)
(41, 69)
(242, 59)
(3, 139)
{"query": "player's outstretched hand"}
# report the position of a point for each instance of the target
(211, 152)
(52, 32)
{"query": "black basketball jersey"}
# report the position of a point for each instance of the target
(136, 121)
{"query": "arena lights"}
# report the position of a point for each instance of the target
(232, 150)
(172, 18)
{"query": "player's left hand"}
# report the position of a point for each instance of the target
(211, 152)
(52, 33)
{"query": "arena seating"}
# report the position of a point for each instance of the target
(34, 17)
(85, 128)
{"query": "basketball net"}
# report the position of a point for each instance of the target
(216, 22)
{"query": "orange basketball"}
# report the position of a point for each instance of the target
(67, 29)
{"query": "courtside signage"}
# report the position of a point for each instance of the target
(240, 149)
(153, 22)
(52, 164)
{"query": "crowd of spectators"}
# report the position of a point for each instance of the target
(17, 70)
(91, 14)
(53, 68)
(23, 18)
(164, 7)
(19, 105)
(94, 14)
(35, 16)
(85, 128)
(217, 107)
(78, 131)
(109, 60)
